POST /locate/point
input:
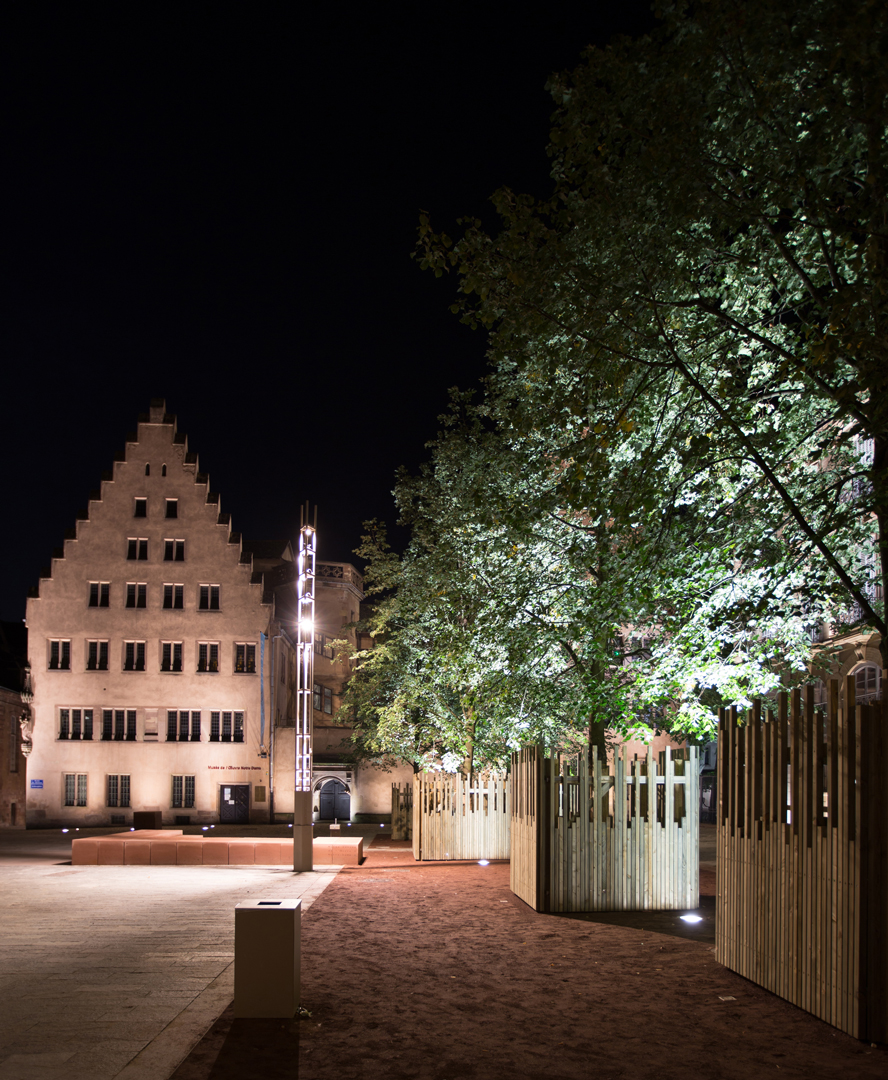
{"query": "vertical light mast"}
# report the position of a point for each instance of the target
(305, 592)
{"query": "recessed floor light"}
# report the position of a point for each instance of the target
(692, 918)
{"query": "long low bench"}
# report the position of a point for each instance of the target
(169, 847)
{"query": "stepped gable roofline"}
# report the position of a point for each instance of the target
(157, 415)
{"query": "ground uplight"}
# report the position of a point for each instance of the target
(484, 862)
(692, 918)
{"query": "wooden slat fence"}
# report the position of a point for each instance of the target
(402, 811)
(600, 838)
(801, 906)
(455, 817)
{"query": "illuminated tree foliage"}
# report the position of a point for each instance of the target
(679, 456)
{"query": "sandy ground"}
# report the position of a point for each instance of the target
(435, 970)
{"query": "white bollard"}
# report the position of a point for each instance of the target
(267, 957)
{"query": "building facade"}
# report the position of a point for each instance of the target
(163, 666)
(15, 723)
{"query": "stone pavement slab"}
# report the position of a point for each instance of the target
(117, 971)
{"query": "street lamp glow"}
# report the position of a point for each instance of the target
(305, 611)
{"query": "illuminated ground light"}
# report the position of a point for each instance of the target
(692, 918)
(484, 862)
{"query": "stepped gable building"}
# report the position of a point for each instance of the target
(15, 723)
(163, 659)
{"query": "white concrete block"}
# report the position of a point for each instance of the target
(267, 951)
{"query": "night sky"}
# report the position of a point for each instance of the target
(216, 204)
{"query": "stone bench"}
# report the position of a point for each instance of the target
(169, 847)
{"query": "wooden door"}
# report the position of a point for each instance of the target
(234, 808)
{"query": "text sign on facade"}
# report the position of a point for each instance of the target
(36, 783)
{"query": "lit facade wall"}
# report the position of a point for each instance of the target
(130, 634)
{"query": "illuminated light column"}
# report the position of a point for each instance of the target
(305, 608)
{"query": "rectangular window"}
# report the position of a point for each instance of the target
(136, 594)
(75, 789)
(174, 596)
(137, 548)
(172, 508)
(174, 551)
(183, 726)
(118, 790)
(183, 791)
(208, 656)
(322, 646)
(322, 698)
(60, 655)
(226, 727)
(97, 656)
(99, 593)
(118, 725)
(140, 509)
(209, 598)
(134, 656)
(171, 656)
(76, 724)
(245, 659)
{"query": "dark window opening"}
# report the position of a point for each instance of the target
(174, 597)
(245, 659)
(172, 508)
(97, 656)
(141, 508)
(60, 656)
(99, 593)
(209, 598)
(137, 548)
(208, 656)
(134, 656)
(174, 550)
(136, 594)
(171, 659)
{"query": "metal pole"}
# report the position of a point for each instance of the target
(305, 616)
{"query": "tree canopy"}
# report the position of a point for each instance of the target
(679, 453)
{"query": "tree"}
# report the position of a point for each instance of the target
(701, 303)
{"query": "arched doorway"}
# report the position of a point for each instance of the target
(335, 801)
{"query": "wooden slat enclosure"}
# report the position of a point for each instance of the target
(599, 838)
(402, 811)
(455, 817)
(801, 907)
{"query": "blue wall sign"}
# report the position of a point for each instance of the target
(36, 783)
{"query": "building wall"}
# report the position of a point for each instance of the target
(12, 761)
(96, 551)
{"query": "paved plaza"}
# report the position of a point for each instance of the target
(117, 971)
